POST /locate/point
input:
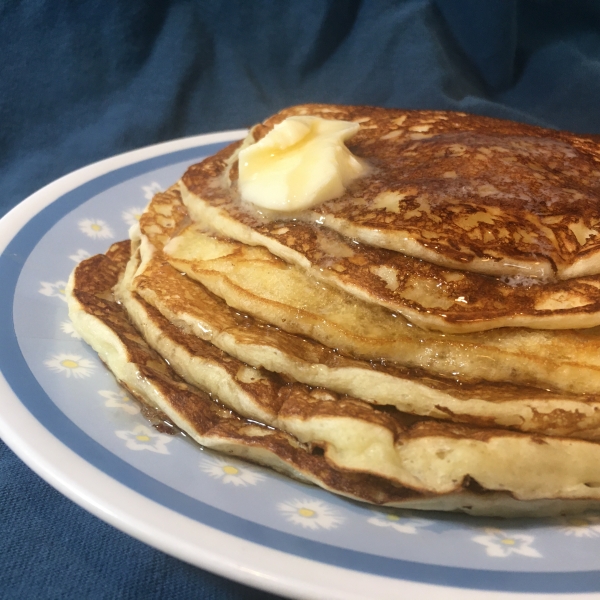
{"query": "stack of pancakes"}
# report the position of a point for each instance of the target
(427, 340)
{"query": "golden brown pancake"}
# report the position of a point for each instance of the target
(272, 342)
(253, 281)
(466, 191)
(198, 312)
(426, 294)
(430, 458)
(150, 379)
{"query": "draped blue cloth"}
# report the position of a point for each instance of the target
(81, 81)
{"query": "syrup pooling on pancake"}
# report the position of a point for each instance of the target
(466, 192)
(428, 295)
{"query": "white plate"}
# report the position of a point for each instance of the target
(64, 415)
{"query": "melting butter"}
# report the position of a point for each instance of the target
(300, 163)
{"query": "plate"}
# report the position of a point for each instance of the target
(65, 416)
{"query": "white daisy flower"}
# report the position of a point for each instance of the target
(402, 524)
(132, 216)
(310, 514)
(67, 327)
(500, 543)
(120, 400)
(150, 190)
(71, 365)
(144, 438)
(580, 525)
(230, 472)
(79, 255)
(56, 289)
(95, 228)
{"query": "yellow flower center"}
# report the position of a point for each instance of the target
(508, 542)
(96, 227)
(229, 470)
(70, 364)
(306, 512)
(142, 438)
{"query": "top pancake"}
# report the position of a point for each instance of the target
(465, 192)
(426, 294)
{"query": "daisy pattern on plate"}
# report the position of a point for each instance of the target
(580, 525)
(56, 289)
(310, 514)
(403, 524)
(96, 229)
(150, 190)
(500, 544)
(144, 438)
(67, 327)
(71, 365)
(120, 399)
(132, 216)
(79, 255)
(229, 471)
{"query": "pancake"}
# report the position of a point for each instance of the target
(464, 191)
(263, 358)
(427, 457)
(198, 312)
(426, 294)
(255, 282)
(104, 323)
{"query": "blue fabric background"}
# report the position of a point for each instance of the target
(83, 80)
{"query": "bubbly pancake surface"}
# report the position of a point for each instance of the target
(465, 191)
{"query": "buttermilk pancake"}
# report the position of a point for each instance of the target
(426, 294)
(255, 282)
(434, 459)
(197, 311)
(149, 378)
(401, 307)
(462, 191)
(105, 325)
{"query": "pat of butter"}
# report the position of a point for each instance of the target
(300, 163)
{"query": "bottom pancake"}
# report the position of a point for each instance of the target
(104, 324)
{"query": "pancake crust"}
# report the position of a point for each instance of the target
(426, 294)
(465, 191)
